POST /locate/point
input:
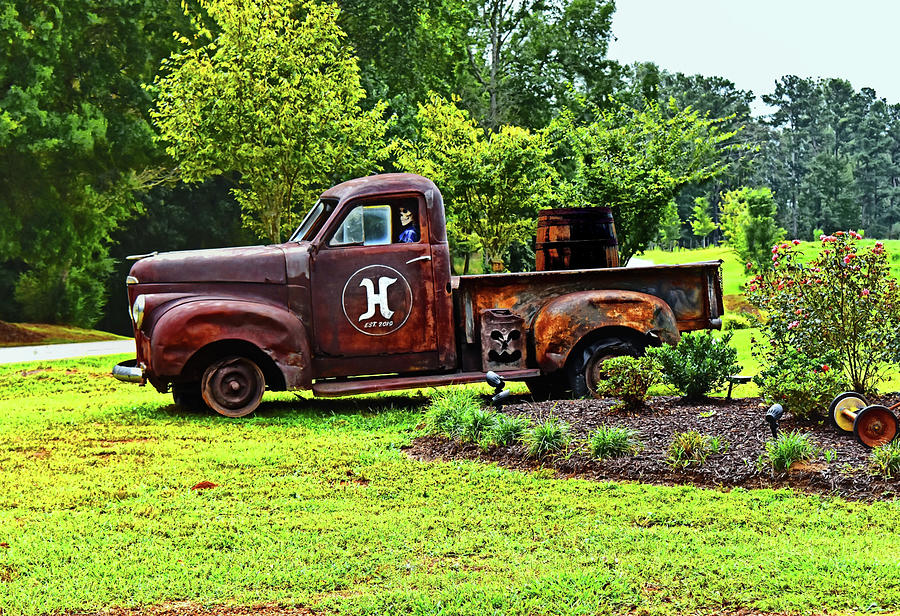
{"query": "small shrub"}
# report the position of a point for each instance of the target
(476, 424)
(691, 447)
(804, 386)
(547, 437)
(628, 379)
(614, 442)
(449, 410)
(732, 322)
(885, 460)
(508, 430)
(788, 448)
(699, 364)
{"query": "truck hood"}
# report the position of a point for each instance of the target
(260, 264)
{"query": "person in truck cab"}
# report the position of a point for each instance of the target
(409, 233)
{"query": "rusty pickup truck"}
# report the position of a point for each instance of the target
(361, 299)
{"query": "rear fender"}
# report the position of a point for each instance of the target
(189, 327)
(567, 319)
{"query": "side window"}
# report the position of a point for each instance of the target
(365, 225)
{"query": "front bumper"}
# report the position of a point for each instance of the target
(129, 372)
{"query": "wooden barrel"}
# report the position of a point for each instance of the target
(576, 238)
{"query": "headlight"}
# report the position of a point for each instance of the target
(137, 311)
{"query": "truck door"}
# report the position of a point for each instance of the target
(373, 290)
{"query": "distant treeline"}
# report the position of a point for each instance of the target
(84, 181)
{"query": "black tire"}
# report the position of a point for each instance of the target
(187, 396)
(584, 369)
(233, 386)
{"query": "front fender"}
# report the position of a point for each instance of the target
(565, 320)
(188, 327)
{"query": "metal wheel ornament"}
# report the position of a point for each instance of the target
(233, 386)
(875, 426)
(847, 402)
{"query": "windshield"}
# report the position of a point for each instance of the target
(316, 216)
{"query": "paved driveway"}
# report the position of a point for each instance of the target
(15, 355)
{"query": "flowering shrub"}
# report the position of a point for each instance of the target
(804, 386)
(841, 308)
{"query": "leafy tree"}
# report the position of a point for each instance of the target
(493, 182)
(636, 161)
(701, 222)
(670, 227)
(273, 99)
(74, 141)
(749, 225)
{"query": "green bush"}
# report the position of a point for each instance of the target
(788, 448)
(692, 448)
(732, 322)
(449, 411)
(628, 379)
(476, 424)
(699, 364)
(804, 386)
(614, 442)
(547, 437)
(508, 430)
(885, 460)
(843, 302)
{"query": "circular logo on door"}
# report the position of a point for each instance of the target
(377, 300)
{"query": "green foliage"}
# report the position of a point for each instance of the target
(788, 448)
(842, 304)
(701, 222)
(493, 183)
(450, 410)
(477, 424)
(547, 437)
(628, 379)
(508, 430)
(636, 160)
(613, 442)
(884, 461)
(734, 321)
(669, 228)
(691, 448)
(804, 386)
(273, 99)
(75, 141)
(698, 364)
(748, 224)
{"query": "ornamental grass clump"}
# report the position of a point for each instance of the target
(449, 411)
(788, 448)
(476, 424)
(884, 461)
(550, 436)
(698, 364)
(692, 448)
(508, 430)
(614, 442)
(841, 308)
(628, 379)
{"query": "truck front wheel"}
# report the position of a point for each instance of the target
(233, 386)
(586, 369)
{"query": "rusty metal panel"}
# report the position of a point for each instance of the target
(503, 339)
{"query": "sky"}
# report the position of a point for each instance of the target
(755, 42)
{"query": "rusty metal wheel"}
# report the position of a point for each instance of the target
(586, 370)
(233, 386)
(847, 401)
(875, 426)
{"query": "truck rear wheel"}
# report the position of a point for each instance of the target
(233, 386)
(187, 396)
(586, 369)
(548, 387)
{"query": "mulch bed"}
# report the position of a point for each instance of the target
(10, 334)
(738, 422)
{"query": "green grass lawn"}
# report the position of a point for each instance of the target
(317, 504)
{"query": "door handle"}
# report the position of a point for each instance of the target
(422, 258)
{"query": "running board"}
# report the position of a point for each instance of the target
(373, 384)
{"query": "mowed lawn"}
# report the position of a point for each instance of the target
(317, 504)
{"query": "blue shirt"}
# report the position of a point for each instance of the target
(409, 235)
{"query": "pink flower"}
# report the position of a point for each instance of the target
(798, 311)
(775, 258)
(749, 265)
(848, 258)
(796, 242)
(774, 250)
(864, 292)
(839, 233)
(785, 245)
(794, 324)
(825, 368)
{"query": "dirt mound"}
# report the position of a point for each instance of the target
(739, 424)
(13, 334)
